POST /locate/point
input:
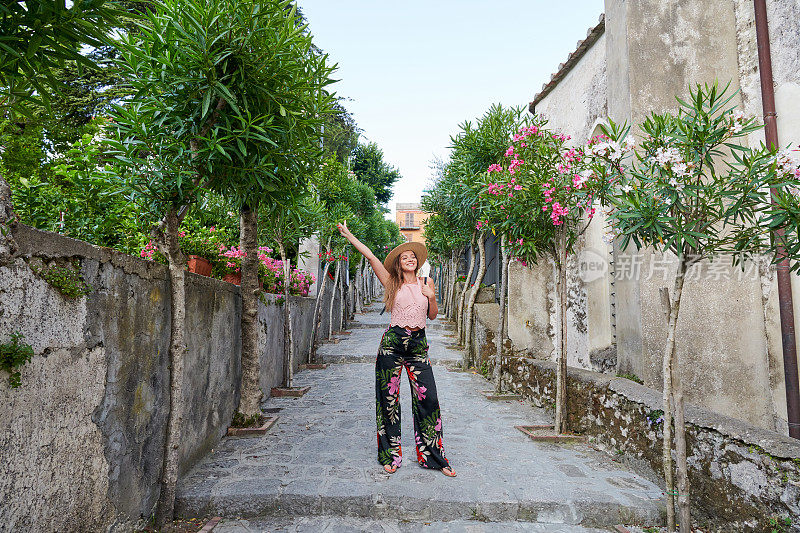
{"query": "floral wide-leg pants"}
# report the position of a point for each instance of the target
(401, 348)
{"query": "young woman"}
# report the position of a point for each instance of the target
(404, 345)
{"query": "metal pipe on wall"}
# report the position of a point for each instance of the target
(783, 273)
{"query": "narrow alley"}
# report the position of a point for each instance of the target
(316, 469)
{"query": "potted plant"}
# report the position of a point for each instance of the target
(229, 265)
(269, 270)
(201, 247)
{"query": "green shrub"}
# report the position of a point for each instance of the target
(630, 376)
(65, 278)
(12, 356)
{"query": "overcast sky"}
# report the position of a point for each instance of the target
(414, 70)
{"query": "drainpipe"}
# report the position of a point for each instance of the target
(784, 276)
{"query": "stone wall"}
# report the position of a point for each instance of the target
(83, 436)
(740, 475)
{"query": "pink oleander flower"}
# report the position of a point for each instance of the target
(579, 180)
(557, 212)
(510, 151)
(495, 188)
(515, 164)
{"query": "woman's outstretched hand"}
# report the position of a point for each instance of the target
(342, 227)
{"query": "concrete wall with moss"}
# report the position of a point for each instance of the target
(83, 436)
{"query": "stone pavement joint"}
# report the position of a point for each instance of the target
(320, 460)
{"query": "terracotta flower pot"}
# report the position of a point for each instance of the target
(235, 278)
(199, 265)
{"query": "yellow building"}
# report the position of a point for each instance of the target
(411, 220)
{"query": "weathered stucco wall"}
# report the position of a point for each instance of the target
(721, 341)
(83, 436)
(533, 311)
(531, 297)
(579, 100)
(730, 344)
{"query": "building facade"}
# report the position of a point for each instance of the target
(638, 58)
(411, 219)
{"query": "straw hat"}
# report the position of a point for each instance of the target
(417, 247)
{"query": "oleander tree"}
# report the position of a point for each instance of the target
(446, 235)
(560, 182)
(696, 192)
(227, 97)
(473, 150)
(514, 201)
(37, 37)
(295, 216)
(445, 241)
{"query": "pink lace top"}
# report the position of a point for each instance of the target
(410, 306)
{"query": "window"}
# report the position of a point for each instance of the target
(409, 220)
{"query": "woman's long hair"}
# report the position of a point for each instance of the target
(395, 282)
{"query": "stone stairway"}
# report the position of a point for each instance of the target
(318, 464)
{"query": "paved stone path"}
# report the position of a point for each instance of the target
(317, 470)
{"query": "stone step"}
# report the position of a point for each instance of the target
(263, 499)
(315, 524)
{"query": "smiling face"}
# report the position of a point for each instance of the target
(408, 261)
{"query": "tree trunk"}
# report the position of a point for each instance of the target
(445, 277)
(288, 337)
(460, 311)
(251, 395)
(670, 403)
(343, 295)
(472, 296)
(561, 367)
(358, 301)
(177, 351)
(312, 349)
(684, 512)
(502, 322)
(333, 297)
(365, 284)
(452, 279)
(8, 246)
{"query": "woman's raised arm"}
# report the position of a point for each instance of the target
(377, 266)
